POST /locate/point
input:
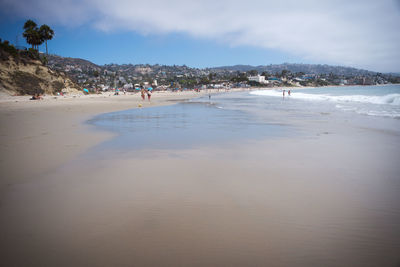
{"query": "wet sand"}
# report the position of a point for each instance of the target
(36, 137)
(328, 199)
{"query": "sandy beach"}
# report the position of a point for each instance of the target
(38, 136)
(322, 199)
(198, 134)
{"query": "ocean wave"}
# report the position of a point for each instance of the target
(379, 113)
(389, 99)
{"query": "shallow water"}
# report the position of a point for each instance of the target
(244, 116)
(185, 125)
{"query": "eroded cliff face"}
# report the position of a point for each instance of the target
(24, 76)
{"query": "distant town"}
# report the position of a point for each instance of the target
(129, 77)
(161, 77)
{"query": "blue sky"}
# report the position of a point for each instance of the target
(130, 47)
(207, 33)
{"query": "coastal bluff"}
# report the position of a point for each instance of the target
(24, 73)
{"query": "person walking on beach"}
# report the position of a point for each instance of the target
(209, 96)
(148, 95)
(142, 93)
(288, 93)
(283, 93)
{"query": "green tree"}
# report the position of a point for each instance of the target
(266, 74)
(46, 33)
(37, 39)
(253, 72)
(284, 73)
(31, 32)
(204, 80)
(36, 36)
(30, 24)
(241, 77)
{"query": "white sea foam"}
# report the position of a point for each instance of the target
(386, 105)
(390, 99)
(380, 113)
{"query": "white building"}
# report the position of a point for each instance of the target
(258, 78)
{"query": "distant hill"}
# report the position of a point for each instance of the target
(292, 67)
(58, 61)
(90, 75)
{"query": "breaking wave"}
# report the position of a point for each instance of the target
(389, 99)
(366, 101)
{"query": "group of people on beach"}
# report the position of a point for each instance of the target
(284, 92)
(36, 97)
(145, 92)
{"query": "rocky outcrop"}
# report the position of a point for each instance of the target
(21, 75)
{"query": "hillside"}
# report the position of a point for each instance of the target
(295, 68)
(61, 62)
(94, 77)
(22, 73)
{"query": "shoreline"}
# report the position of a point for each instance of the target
(55, 127)
(6, 98)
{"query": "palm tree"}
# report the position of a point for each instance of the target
(37, 38)
(46, 33)
(30, 24)
(31, 32)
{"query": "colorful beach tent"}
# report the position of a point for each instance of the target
(85, 90)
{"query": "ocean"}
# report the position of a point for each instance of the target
(251, 115)
(382, 101)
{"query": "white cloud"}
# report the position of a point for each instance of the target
(360, 33)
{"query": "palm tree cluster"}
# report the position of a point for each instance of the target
(36, 36)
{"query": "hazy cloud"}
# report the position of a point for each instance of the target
(360, 33)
